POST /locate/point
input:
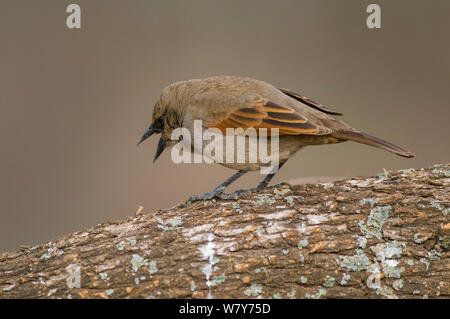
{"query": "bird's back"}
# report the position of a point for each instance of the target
(221, 99)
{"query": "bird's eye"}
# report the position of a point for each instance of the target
(158, 126)
(160, 122)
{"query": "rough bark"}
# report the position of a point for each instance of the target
(385, 236)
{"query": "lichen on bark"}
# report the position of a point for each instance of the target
(385, 236)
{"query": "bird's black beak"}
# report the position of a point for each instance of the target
(161, 143)
(146, 135)
(160, 148)
(157, 127)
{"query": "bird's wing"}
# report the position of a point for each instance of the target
(260, 113)
(307, 101)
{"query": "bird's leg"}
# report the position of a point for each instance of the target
(218, 190)
(261, 185)
(268, 178)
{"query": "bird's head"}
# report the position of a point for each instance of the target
(167, 115)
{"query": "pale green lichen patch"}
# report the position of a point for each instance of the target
(41, 281)
(363, 201)
(285, 251)
(260, 231)
(282, 191)
(263, 200)
(137, 262)
(437, 205)
(329, 282)
(345, 278)
(444, 241)
(393, 249)
(303, 243)
(445, 172)
(362, 241)
(410, 262)
(170, 224)
(290, 200)
(109, 292)
(326, 185)
(193, 286)
(132, 241)
(434, 254)
(276, 295)
(258, 270)
(254, 290)
(152, 269)
(45, 256)
(51, 251)
(303, 279)
(302, 257)
(375, 221)
(382, 176)
(398, 284)
(237, 207)
(317, 295)
(217, 280)
(291, 295)
(417, 238)
(121, 245)
(390, 268)
(104, 276)
(357, 262)
(386, 253)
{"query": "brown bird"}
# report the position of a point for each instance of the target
(235, 102)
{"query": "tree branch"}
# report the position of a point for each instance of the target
(372, 237)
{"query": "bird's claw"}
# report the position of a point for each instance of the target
(206, 196)
(211, 195)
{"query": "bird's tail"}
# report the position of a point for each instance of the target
(364, 138)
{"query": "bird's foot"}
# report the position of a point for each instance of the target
(242, 192)
(206, 196)
(218, 192)
(234, 195)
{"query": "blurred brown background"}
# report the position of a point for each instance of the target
(73, 103)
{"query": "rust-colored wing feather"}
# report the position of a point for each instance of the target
(268, 115)
(309, 102)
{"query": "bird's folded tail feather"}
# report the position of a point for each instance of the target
(364, 138)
